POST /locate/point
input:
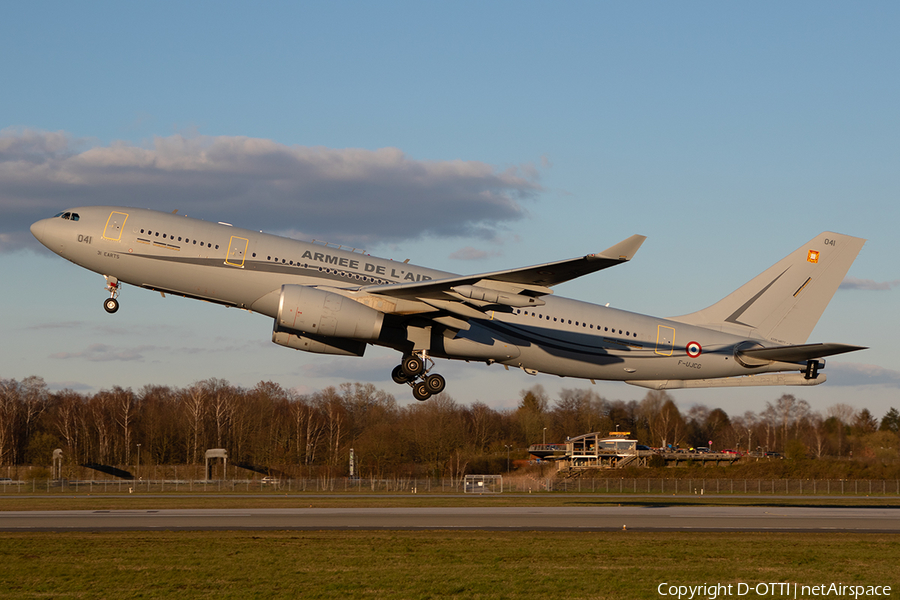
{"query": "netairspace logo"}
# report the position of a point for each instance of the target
(796, 591)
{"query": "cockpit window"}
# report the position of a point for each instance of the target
(68, 216)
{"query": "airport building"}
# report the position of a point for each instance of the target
(616, 450)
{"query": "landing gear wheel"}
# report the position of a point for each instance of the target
(420, 391)
(111, 305)
(413, 366)
(413, 371)
(435, 384)
(398, 375)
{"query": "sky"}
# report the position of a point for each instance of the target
(466, 137)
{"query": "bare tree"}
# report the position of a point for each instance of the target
(791, 413)
(123, 404)
(668, 426)
(842, 414)
(220, 406)
(717, 426)
(768, 419)
(68, 411)
(315, 424)
(576, 412)
(102, 418)
(483, 425)
(331, 405)
(160, 429)
(194, 405)
(10, 407)
(34, 400)
(817, 427)
(438, 430)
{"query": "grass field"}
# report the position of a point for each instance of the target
(438, 564)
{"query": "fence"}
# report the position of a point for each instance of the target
(668, 486)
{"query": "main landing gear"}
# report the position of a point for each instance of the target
(412, 371)
(112, 286)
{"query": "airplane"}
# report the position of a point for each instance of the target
(328, 299)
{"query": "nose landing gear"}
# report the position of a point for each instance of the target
(413, 371)
(111, 305)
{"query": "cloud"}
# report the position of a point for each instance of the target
(105, 353)
(59, 325)
(75, 386)
(852, 283)
(470, 253)
(346, 195)
(374, 369)
(856, 374)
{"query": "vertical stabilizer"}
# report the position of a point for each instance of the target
(784, 303)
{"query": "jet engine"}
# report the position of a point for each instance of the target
(303, 309)
(318, 344)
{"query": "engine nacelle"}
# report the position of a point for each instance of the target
(308, 310)
(339, 346)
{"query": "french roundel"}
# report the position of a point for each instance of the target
(693, 349)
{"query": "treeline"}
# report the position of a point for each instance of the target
(269, 426)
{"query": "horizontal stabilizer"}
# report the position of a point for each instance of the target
(799, 353)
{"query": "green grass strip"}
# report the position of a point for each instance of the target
(432, 564)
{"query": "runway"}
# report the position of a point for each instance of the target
(599, 518)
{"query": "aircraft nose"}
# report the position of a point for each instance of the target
(37, 230)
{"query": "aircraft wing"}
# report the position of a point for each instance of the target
(526, 282)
